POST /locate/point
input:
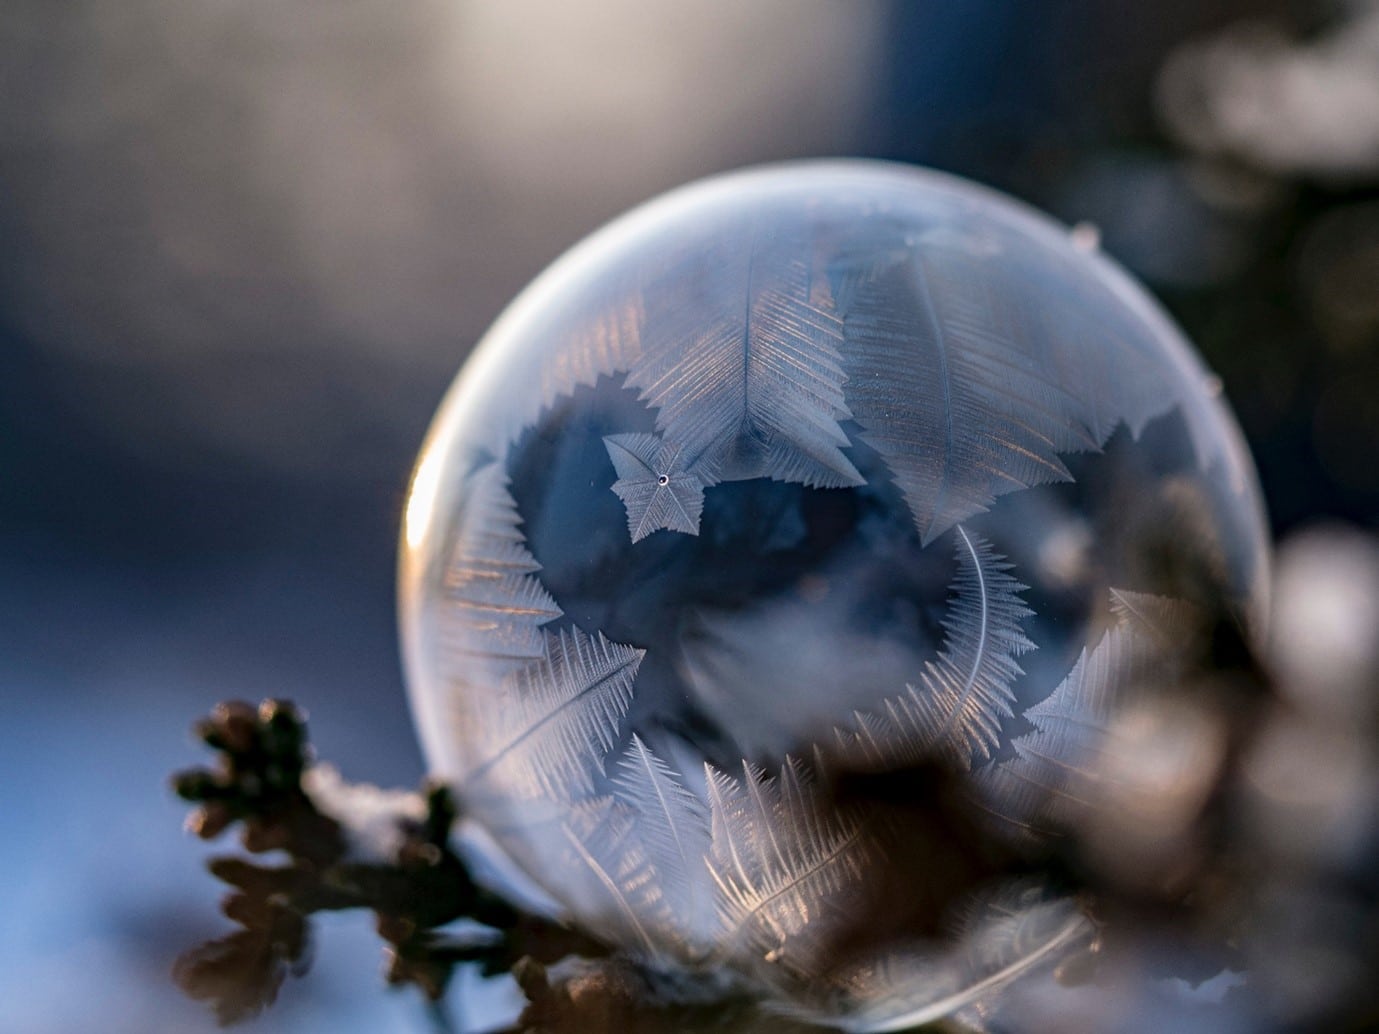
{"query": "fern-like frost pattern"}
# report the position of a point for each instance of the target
(1001, 937)
(813, 382)
(787, 867)
(674, 825)
(973, 372)
(1057, 765)
(955, 709)
(492, 605)
(587, 338)
(557, 718)
(748, 379)
(608, 870)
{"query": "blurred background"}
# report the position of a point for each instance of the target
(245, 246)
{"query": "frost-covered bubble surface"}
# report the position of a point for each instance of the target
(812, 469)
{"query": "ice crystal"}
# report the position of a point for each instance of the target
(843, 462)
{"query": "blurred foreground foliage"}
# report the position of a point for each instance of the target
(258, 783)
(1270, 870)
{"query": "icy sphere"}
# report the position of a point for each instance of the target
(810, 469)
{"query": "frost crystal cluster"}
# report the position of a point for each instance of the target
(802, 471)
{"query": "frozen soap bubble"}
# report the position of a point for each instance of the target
(808, 470)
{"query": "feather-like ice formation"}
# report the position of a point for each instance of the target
(1058, 763)
(746, 372)
(955, 709)
(945, 395)
(1057, 759)
(1004, 936)
(919, 352)
(556, 719)
(492, 606)
(638, 860)
(673, 825)
(973, 363)
(597, 336)
(790, 871)
(1166, 625)
(656, 489)
(608, 872)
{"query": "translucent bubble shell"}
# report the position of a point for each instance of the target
(813, 468)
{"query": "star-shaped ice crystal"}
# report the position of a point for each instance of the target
(657, 491)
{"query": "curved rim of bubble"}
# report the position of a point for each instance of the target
(769, 182)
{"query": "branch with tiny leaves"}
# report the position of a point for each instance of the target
(1202, 901)
(573, 983)
(258, 783)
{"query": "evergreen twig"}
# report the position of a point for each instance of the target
(263, 755)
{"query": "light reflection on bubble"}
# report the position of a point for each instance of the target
(812, 478)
